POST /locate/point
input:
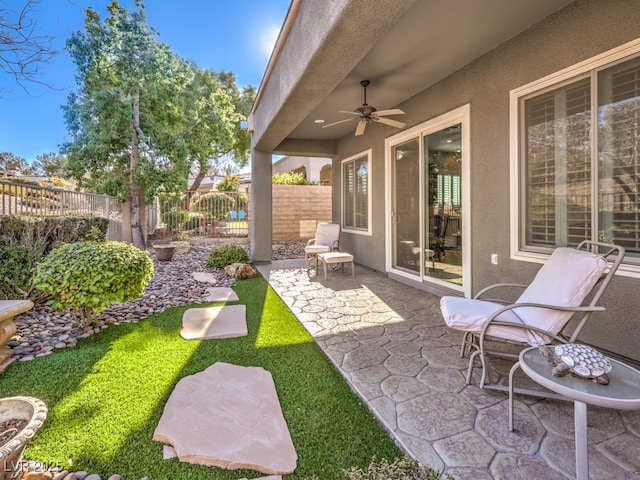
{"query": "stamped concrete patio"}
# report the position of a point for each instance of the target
(390, 343)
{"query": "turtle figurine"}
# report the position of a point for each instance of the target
(581, 360)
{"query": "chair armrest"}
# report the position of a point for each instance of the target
(492, 320)
(336, 245)
(499, 285)
(311, 242)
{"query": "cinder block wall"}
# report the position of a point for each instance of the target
(297, 209)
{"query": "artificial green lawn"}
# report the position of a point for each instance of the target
(106, 395)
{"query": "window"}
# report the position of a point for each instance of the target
(577, 156)
(355, 193)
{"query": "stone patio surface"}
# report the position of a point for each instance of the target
(391, 345)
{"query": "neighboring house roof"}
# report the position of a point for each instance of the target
(402, 46)
(311, 165)
(208, 182)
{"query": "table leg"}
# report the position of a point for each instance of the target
(511, 372)
(582, 454)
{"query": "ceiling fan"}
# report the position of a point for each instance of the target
(368, 114)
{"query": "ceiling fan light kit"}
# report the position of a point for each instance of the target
(367, 114)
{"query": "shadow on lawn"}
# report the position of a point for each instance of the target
(107, 394)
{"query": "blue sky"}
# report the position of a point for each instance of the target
(231, 35)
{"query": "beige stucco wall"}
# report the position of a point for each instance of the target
(297, 209)
(578, 32)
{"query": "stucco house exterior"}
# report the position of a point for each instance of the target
(522, 133)
(314, 169)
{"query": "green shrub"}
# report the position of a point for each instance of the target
(19, 259)
(404, 468)
(229, 183)
(174, 219)
(215, 205)
(290, 178)
(95, 235)
(53, 231)
(90, 276)
(220, 257)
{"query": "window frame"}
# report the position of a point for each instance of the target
(352, 159)
(588, 68)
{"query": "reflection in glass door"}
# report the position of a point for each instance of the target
(428, 228)
(442, 152)
(406, 207)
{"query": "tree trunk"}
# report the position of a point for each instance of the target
(137, 234)
(197, 181)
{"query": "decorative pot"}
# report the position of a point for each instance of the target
(164, 252)
(34, 411)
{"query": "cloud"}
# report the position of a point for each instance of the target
(268, 40)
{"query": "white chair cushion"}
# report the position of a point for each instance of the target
(315, 249)
(470, 315)
(564, 280)
(336, 257)
(327, 234)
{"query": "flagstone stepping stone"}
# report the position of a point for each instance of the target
(205, 277)
(229, 321)
(228, 416)
(221, 294)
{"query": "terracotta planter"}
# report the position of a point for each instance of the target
(164, 253)
(34, 411)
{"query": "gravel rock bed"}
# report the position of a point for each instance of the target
(42, 330)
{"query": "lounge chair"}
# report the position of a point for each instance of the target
(326, 240)
(569, 285)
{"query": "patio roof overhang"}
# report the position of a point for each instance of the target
(402, 46)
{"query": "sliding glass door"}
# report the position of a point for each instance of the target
(426, 220)
(406, 206)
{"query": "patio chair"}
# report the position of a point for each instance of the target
(568, 286)
(326, 240)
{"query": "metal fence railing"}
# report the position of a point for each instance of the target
(205, 214)
(32, 200)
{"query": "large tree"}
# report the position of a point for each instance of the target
(50, 164)
(141, 115)
(217, 142)
(23, 50)
(10, 162)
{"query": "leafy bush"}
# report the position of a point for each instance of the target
(53, 231)
(404, 468)
(225, 255)
(19, 259)
(215, 205)
(229, 183)
(90, 276)
(174, 219)
(95, 235)
(290, 178)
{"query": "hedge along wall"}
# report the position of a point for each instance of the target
(297, 209)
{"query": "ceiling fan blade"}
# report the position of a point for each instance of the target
(350, 113)
(393, 111)
(388, 121)
(336, 123)
(361, 126)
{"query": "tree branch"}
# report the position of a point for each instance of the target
(22, 49)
